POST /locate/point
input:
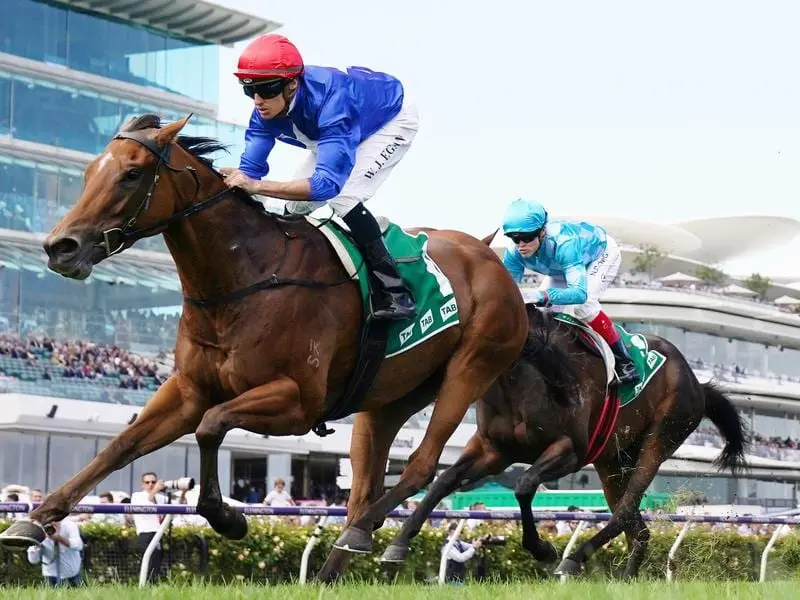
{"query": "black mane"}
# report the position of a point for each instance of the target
(198, 146)
(554, 363)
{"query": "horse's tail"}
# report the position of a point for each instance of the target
(721, 412)
(488, 239)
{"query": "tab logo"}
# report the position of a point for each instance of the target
(449, 310)
(426, 321)
(406, 334)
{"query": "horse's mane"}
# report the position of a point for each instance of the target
(554, 362)
(198, 146)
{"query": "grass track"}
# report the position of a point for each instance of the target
(545, 591)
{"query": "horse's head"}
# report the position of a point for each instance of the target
(121, 195)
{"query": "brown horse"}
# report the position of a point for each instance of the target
(270, 328)
(524, 419)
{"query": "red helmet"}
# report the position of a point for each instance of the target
(267, 57)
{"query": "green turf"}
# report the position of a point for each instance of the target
(548, 591)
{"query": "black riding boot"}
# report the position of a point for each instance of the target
(390, 299)
(625, 367)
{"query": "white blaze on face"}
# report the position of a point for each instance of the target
(104, 161)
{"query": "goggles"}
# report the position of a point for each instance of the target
(522, 238)
(267, 89)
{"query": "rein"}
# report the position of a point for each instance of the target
(113, 240)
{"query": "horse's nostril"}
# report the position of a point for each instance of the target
(63, 248)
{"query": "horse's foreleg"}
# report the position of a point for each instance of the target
(273, 408)
(478, 460)
(556, 461)
(370, 443)
(168, 415)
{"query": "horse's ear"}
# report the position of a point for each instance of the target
(127, 125)
(168, 133)
(488, 239)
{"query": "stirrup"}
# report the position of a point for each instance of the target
(394, 310)
(387, 293)
(627, 375)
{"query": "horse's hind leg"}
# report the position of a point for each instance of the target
(615, 476)
(556, 461)
(638, 537)
(654, 452)
(478, 460)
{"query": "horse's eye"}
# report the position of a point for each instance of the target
(133, 174)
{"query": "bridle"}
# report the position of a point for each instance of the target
(127, 233)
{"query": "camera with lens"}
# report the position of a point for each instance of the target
(488, 540)
(49, 529)
(183, 484)
(493, 540)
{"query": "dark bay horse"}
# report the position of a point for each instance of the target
(272, 358)
(524, 418)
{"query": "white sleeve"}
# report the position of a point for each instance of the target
(48, 550)
(34, 555)
(530, 295)
(461, 557)
(74, 537)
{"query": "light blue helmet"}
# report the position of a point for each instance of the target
(524, 216)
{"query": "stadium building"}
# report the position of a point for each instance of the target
(71, 73)
(78, 360)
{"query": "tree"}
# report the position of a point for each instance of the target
(758, 284)
(710, 275)
(648, 259)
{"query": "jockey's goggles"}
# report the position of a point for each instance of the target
(522, 238)
(267, 89)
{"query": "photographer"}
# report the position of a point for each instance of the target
(60, 554)
(147, 525)
(458, 556)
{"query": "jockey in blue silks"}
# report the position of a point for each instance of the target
(358, 125)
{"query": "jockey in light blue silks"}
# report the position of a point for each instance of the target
(580, 259)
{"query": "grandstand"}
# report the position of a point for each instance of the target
(78, 360)
(71, 73)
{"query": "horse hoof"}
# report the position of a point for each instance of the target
(234, 525)
(355, 540)
(568, 567)
(334, 566)
(395, 553)
(546, 553)
(225, 520)
(22, 534)
(540, 550)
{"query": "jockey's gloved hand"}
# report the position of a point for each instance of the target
(543, 300)
(536, 297)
